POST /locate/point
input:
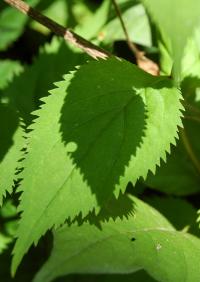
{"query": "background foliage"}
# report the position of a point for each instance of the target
(99, 160)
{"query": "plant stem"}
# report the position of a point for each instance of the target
(131, 45)
(142, 61)
(73, 38)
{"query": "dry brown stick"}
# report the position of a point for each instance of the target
(142, 61)
(73, 38)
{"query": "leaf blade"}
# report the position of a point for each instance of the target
(67, 163)
(145, 240)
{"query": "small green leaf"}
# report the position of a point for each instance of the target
(191, 60)
(90, 28)
(177, 20)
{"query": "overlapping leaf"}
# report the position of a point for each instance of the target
(146, 240)
(95, 133)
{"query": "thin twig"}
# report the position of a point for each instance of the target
(142, 61)
(73, 38)
(131, 45)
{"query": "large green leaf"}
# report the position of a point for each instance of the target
(177, 20)
(190, 63)
(145, 87)
(116, 126)
(146, 240)
(11, 144)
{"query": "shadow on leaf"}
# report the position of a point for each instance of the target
(104, 116)
(106, 121)
(122, 208)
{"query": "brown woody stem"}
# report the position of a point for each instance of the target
(73, 38)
